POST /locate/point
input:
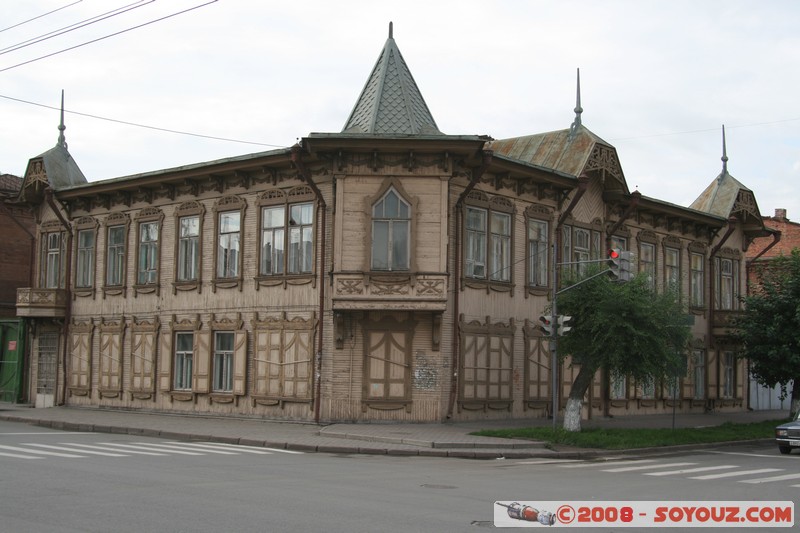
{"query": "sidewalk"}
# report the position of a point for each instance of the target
(434, 440)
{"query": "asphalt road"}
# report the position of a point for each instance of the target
(102, 482)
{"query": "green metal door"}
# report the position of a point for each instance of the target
(12, 357)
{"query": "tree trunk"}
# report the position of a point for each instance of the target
(572, 411)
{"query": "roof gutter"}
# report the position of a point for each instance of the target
(711, 291)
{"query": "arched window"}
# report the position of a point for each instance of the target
(391, 229)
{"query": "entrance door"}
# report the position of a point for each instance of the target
(11, 360)
(46, 370)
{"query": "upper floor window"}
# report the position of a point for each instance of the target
(647, 262)
(51, 273)
(84, 264)
(581, 248)
(672, 268)
(697, 281)
(488, 245)
(391, 230)
(229, 244)
(148, 253)
(115, 258)
(287, 239)
(188, 265)
(726, 292)
(538, 247)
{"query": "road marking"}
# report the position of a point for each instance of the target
(149, 447)
(182, 447)
(645, 467)
(40, 452)
(690, 470)
(67, 449)
(279, 450)
(18, 456)
(773, 456)
(213, 446)
(739, 473)
(770, 479)
(52, 433)
(608, 463)
(133, 452)
(547, 462)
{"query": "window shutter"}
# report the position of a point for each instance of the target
(202, 362)
(165, 363)
(240, 362)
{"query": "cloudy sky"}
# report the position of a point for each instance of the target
(658, 80)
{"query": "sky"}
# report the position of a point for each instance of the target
(658, 80)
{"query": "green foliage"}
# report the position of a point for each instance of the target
(769, 327)
(626, 439)
(625, 327)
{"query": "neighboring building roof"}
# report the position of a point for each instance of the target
(391, 103)
(10, 183)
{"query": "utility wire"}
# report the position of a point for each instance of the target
(74, 26)
(109, 35)
(143, 125)
(40, 16)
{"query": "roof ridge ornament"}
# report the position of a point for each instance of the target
(391, 30)
(573, 129)
(62, 141)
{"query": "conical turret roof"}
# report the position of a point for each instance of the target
(391, 103)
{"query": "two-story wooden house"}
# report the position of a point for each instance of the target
(386, 272)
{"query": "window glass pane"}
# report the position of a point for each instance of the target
(84, 277)
(273, 217)
(399, 245)
(390, 205)
(380, 245)
(228, 247)
(116, 255)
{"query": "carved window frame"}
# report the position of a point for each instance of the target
(494, 205)
(647, 239)
(386, 191)
(238, 377)
(697, 258)
(539, 215)
(47, 230)
(146, 216)
(116, 220)
(734, 258)
(225, 205)
(671, 243)
(286, 199)
(188, 209)
(82, 226)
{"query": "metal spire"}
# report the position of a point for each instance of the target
(62, 141)
(391, 30)
(724, 153)
(578, 110)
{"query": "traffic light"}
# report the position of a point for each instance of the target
(546, 324)
(625, 266)
(563, 324)
(614, 263)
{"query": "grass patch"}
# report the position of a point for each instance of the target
(625, 439)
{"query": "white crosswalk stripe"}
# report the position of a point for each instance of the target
(737, 473)
(646, 467)
(690, 470)
(584, 464)
(71, 449)
(77, 450)
(39, 452)
(771, 479)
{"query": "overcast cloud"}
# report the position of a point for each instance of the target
(658, 80)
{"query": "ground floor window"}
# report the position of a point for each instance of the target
(618, 386)
(184, 353)
(223, 361)
(728, 374)
(699, 374)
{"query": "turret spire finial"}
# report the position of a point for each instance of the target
(578, 110)
(391, 30)
(724, 152)
(62, 141)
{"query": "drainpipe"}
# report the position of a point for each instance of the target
(48, 194)
(712, 291)
(776, 238)
(477, 173)
(305, 176)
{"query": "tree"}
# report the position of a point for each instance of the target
(769, 327)
(626, 328)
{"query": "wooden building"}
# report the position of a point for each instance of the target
(388, 272)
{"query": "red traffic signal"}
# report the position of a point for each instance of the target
(614, 255)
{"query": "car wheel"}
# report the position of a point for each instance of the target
(785, 450)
